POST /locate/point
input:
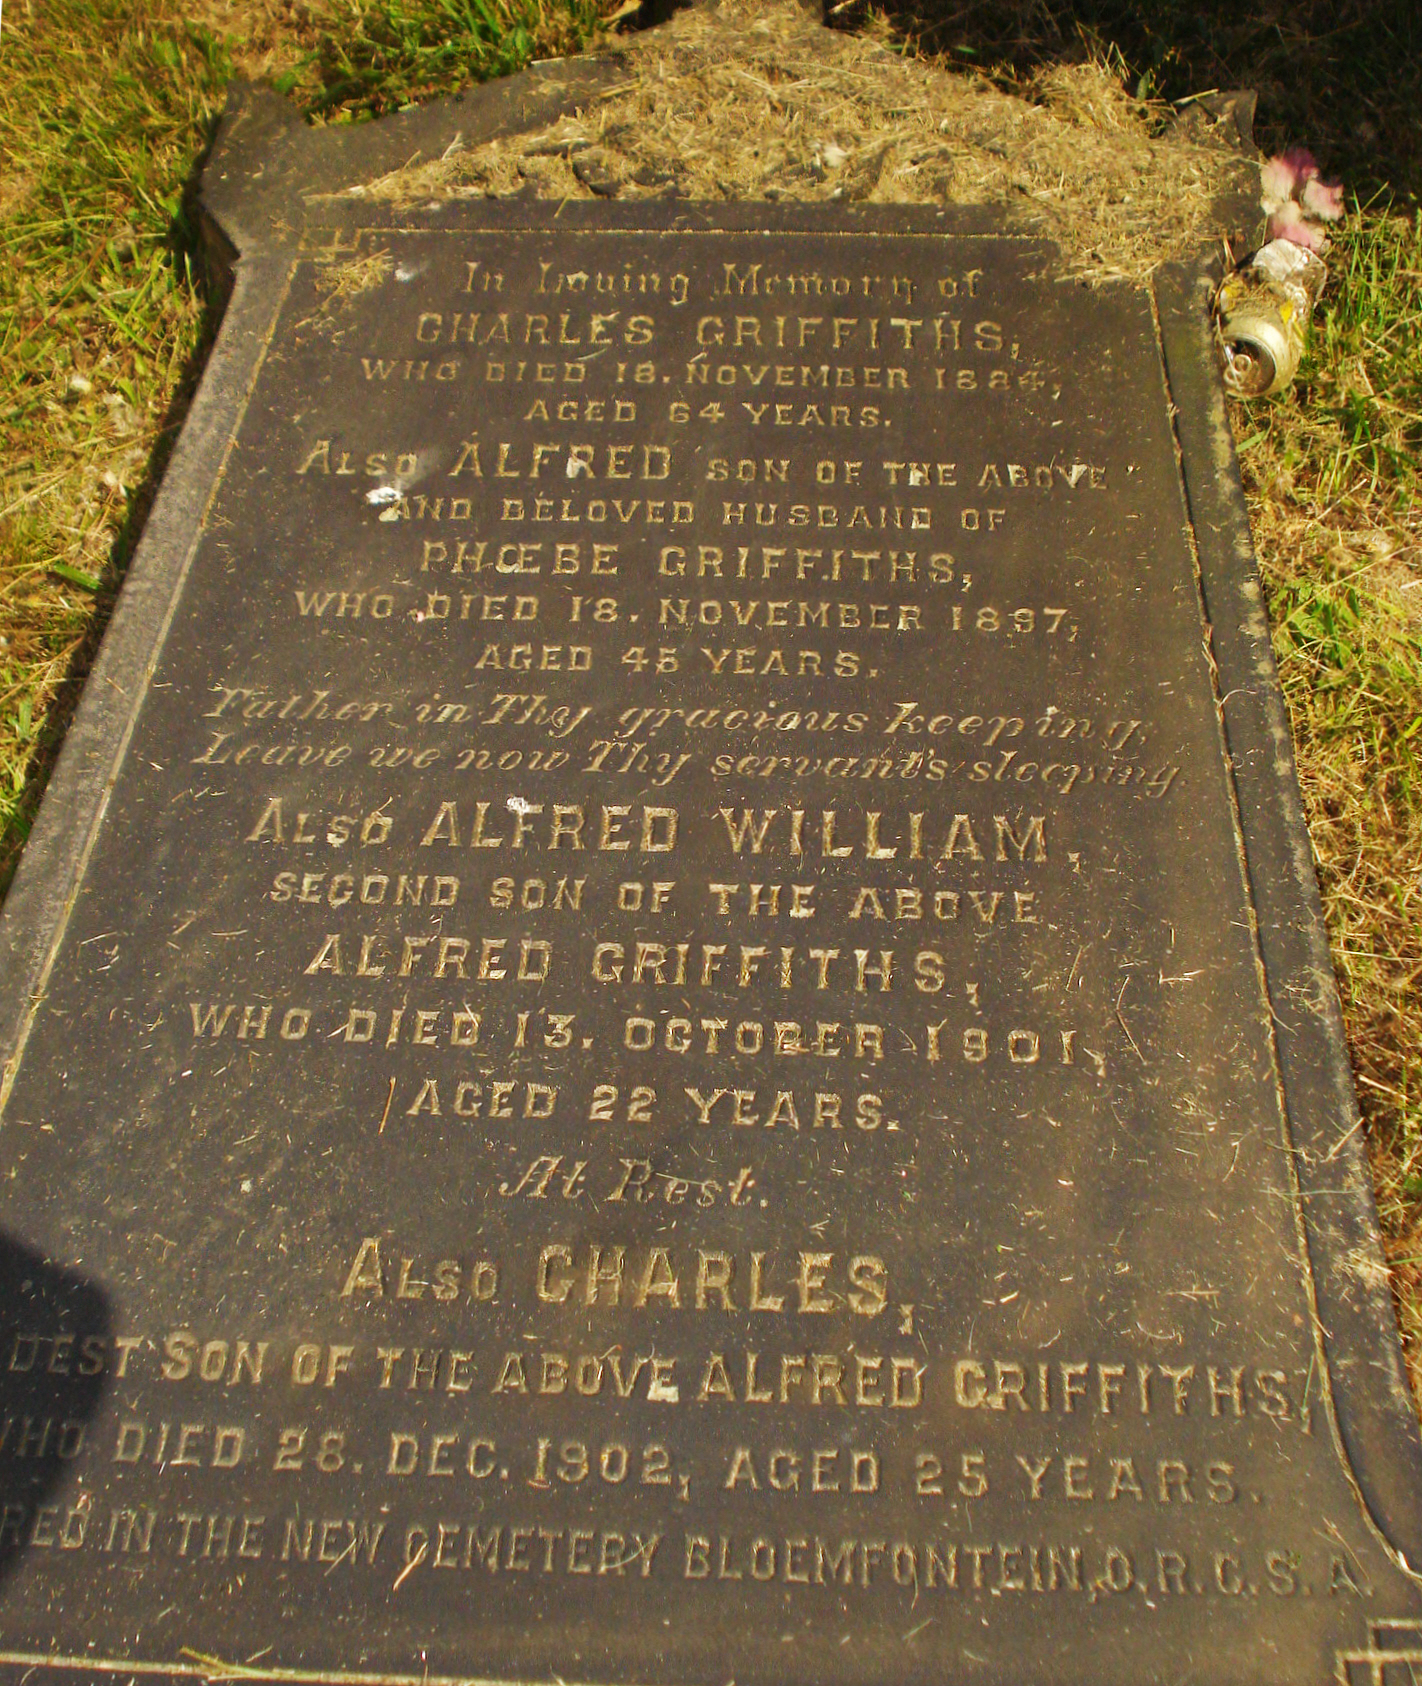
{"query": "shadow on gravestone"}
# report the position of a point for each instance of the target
(55, 1365)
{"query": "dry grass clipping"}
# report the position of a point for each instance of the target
(746, 101)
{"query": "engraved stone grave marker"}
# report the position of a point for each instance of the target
(669, 1021)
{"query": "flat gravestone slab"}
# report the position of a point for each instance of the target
(669, 1021)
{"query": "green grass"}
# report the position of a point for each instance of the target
(383, 56)
(100, 319)
(1335, 481)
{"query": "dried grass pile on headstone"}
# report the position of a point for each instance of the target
(747, 101)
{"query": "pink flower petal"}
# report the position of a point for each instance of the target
(1276, 182)
(1286, 226)
(1302, 162)
(1323, 199)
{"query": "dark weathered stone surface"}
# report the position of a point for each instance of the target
(669, 1021)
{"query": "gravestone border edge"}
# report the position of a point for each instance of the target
(1369, 1404)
